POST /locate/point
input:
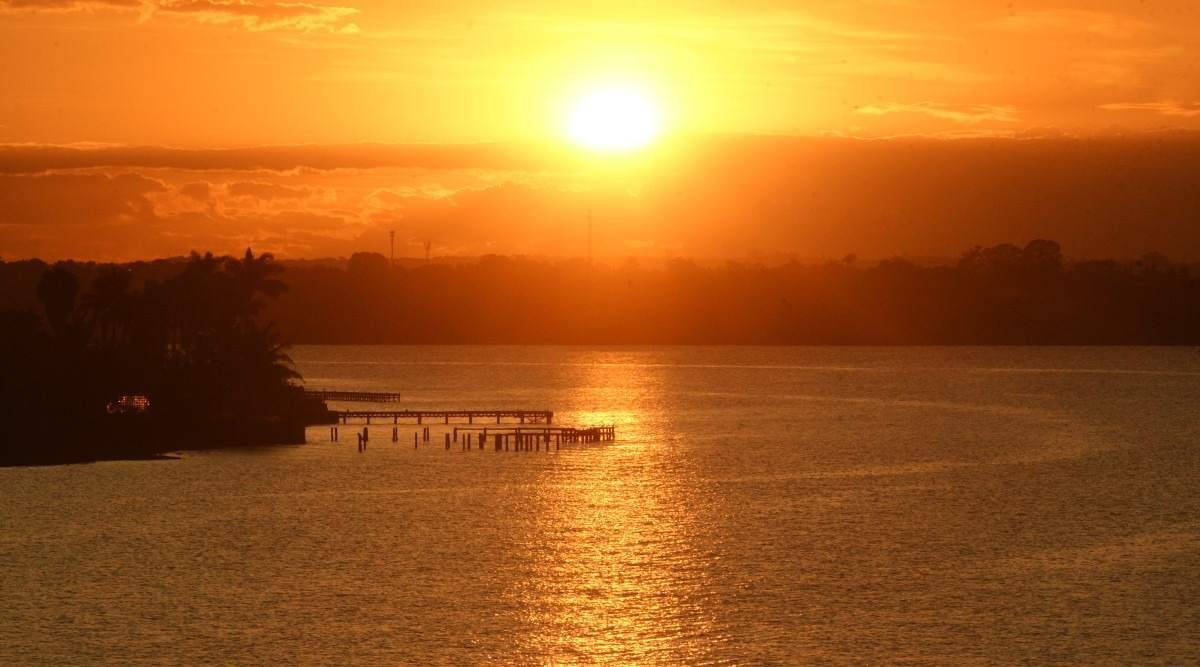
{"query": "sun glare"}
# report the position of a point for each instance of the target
(614, 119)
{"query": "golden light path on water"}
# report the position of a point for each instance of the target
(622, 542)
(630, 587)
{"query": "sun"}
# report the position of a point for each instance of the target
(614, 119)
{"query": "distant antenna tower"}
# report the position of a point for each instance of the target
(428, 245)
(392, 257)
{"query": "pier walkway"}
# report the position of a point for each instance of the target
(521, 416)
(354, 396)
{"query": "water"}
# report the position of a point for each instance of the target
(761, 505)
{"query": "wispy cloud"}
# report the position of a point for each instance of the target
(246, 14)
(1177, 109)
(68, 5)
(255, 16)
(265, 191)
(1100, 24)
(37, 158)
(964, 114)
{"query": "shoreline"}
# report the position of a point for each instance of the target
(45, 463)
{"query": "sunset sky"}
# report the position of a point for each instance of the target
(139, 129)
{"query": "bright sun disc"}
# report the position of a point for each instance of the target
(614, 119)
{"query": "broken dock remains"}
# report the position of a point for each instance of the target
(469, 416)
(523, 430)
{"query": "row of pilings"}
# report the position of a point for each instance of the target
(501, 440)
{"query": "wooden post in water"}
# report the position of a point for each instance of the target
(447, 442)
(395, 434)
(414, 439)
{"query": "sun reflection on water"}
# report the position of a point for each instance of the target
(627, 582)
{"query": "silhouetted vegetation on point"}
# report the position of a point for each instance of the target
(194, 343)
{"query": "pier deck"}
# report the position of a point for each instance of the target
(354, 396)
(421, 416)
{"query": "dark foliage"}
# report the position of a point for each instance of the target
(1004, 294)
(194, 343)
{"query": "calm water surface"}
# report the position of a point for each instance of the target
(761, 506)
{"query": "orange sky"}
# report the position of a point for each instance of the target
(201, 74)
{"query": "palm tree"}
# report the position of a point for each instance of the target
(198, 301)
(57, 290)
(254, 276)
(110, 304)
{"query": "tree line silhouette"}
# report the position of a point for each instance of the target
(199, 338)
(137, 364)
(1002, 294)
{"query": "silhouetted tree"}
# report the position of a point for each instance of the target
(254, 276)
(57, 290)
(110, 304)
(1043, 256)
(192, 343)
(367, 265)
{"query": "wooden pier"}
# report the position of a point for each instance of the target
(565, 433)
(354, 396)
(522, 430)
(521, 438)
(421, 416)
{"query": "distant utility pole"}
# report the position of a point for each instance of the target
(428, 244)
(392, 257)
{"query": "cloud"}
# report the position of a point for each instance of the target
(965, 114)
(35, 158)
(198, 190)
(1175, 109)
(258, 17)
(69, 5)
(716, 198)
(253, 16)
(76, 199)
(265, 191)
(1059, 21)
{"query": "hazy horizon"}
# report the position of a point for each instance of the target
(711, 197)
